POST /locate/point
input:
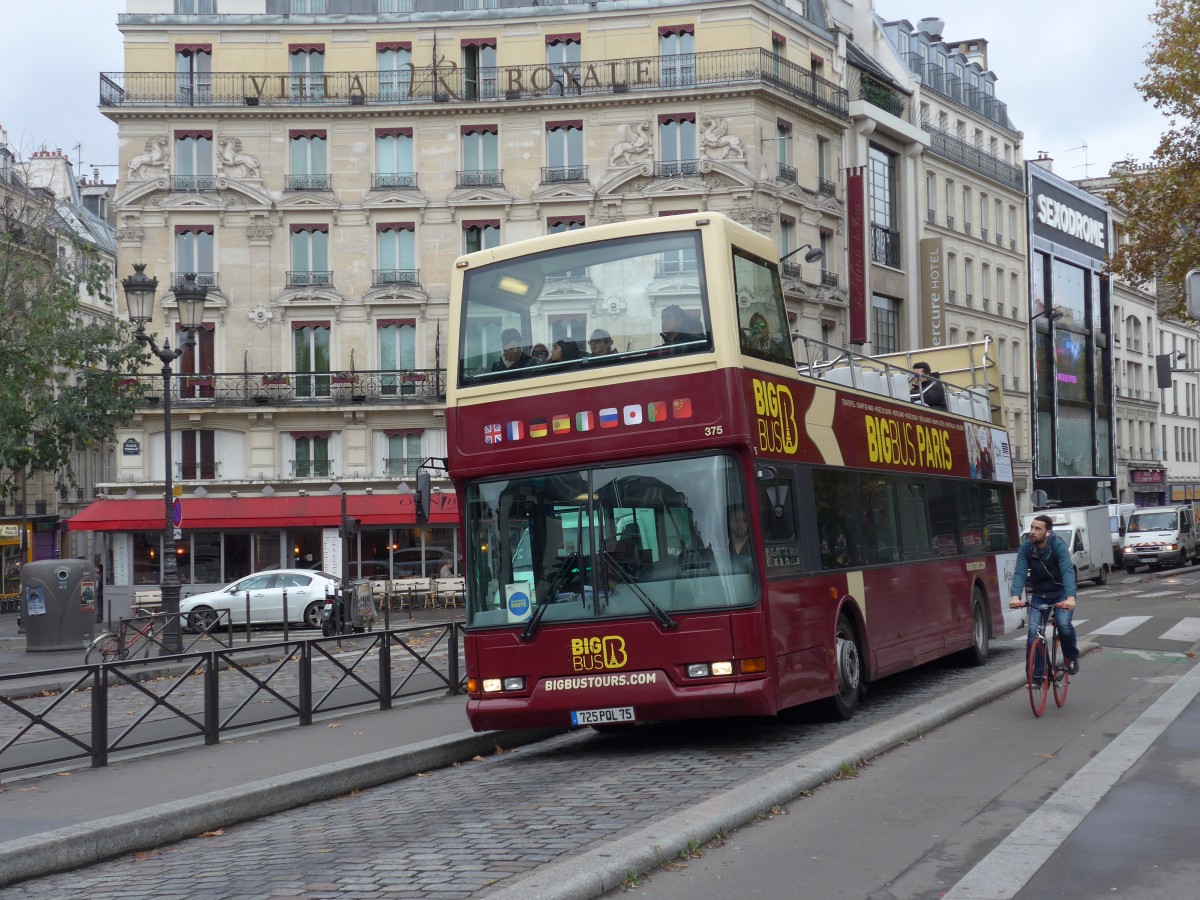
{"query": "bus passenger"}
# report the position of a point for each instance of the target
(565, 351)
(678, 326)
(540, 354)
(512, 352)
(924, 389)
(758, 340)
(601, 343)
(740, 558)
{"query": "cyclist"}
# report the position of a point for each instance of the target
(1047, 562)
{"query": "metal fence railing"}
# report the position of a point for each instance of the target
(164, 701)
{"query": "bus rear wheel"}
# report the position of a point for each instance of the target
(977, 653)
(844, 702)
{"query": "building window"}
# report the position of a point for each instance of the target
(787, 239)
(393, 63)
(969, 281)
(677, 55)
(394, 158)
(397, 354)
(480, 235)
(564, 151)
(310, 256)
(197, 457)
(950, 198)
(966, 208)
(824, 167)
(479, 68)
(312, 456)
(395, 244)
(886, 324)
(193, 162)
(564, 53)
(310, 347)
(783, 151)
(931, 196)
(309, 161)
(885, 237)
(404, 454)
(197, 363)
(193, 74)
(480, 156)
(677, 145)
(307, 65)
(559, 224)
(951, 277)
(194, 254)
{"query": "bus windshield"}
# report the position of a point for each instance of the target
(529, 316)
(632, 540)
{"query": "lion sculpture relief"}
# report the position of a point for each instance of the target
(637, 142)
(155, 157)
(717, 142)
(231, 157)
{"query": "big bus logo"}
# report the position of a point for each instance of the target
(592, 654)
(776, 410)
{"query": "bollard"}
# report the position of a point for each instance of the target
(247, 617)
(285, 616)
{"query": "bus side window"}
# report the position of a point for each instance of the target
(914, 520)
(837, 532)
(880, 541)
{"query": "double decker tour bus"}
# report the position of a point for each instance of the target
(673, 516)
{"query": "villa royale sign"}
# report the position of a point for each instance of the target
(932, 270)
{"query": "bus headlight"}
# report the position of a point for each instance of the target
(496, 685)
(708, 670)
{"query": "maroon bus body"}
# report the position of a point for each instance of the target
(758, 417)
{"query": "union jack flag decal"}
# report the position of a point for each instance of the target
(493, 434)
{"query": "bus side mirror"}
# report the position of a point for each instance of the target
(422, 498)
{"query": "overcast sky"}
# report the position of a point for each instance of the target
(1066, 69)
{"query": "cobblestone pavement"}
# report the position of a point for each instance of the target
(126, 703)
(463, 831)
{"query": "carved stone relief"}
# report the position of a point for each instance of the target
(637, 143)
(155, 161)
(234, 162)
(717, 143)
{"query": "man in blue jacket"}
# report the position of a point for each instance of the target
(1052, 580)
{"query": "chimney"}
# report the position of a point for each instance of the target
(932, 26)
(1044, 161)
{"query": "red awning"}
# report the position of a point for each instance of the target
(211, 514)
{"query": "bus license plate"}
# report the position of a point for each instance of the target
(602, 716)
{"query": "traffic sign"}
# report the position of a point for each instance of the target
(177, 513)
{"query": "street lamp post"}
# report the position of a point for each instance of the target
(140, 291)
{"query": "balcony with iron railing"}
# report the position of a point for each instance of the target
(679, 168)
(297, 279)
(403, 181)
(401, 466)
(383, 277)
(193, 184)
(298, 389)
(556, 174)
(864, 87)
(311, 468)
(449, 84)
(885, 246)
(791, 270)
(829, 279)
(203, 279)
(198, 470)
(825, 187)
(949, 147)
(787, 174)
(309, 182)
(480, 178)
(676, 266)
(950, 87)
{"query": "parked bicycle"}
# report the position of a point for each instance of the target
(1046, 657)
(137, 634)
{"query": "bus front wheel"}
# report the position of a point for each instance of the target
(842, 705)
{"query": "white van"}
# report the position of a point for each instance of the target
(1160, 536)
(1118, 518)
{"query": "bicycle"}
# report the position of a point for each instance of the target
(110, 645)
(1045, 653)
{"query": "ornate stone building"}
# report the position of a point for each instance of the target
(321, 163)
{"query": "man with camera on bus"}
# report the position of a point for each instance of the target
(925, 389)
(1045, 561)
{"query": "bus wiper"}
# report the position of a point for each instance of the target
(664, 619)
(569, 562)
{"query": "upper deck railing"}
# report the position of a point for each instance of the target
(450, 84)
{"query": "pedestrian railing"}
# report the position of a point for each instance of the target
(100, 709)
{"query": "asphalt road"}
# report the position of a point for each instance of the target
(915, 821)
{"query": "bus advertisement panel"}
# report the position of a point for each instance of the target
(685, 526)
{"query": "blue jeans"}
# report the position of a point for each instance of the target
(1038, 607)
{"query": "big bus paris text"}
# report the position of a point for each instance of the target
(678, 511)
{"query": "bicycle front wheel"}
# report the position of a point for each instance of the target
(1062, 678)
(105, 647)
(1039, 688)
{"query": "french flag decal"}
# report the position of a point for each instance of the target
(516, 431)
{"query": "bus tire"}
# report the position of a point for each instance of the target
(977, 653)
(848, 660)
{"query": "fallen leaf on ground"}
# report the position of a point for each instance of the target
(63, 774)
(218, 833)
(147, 854)
(335, 725)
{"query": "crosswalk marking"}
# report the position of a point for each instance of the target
(1122, 625)
(1160, 594)
(1187, 629)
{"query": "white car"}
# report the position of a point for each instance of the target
(305, 595)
